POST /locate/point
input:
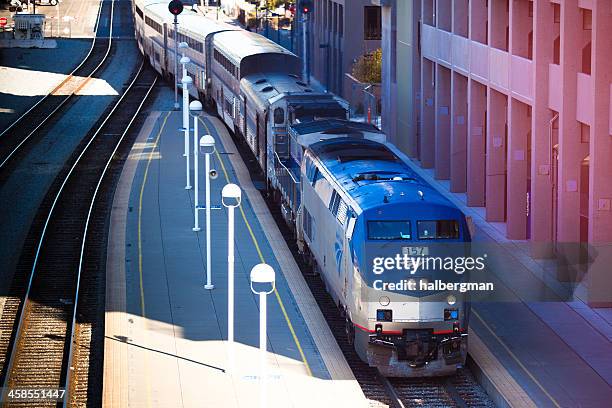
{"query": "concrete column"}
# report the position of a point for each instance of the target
(458, 158)
(518, 134)
(600, 169)
(496, 156)
(477, 97)
(571, 151)
(443, 122)
(389, 100)
(541, 180)
(407, 74)
(427, 132)
(413, 8)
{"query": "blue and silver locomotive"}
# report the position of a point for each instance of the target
(366, 219)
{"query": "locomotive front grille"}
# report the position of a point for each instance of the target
(418, 346)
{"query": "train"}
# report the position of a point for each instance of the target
(360, 216)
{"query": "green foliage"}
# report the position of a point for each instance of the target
(368, 68)
(273, 4)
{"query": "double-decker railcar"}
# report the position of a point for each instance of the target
(253, 83)
(154, 26)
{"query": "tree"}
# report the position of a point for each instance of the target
(368, 68)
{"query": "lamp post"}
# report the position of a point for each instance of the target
(183, 46)
(196, 108)
(263, 275)
(175, 7)
(207, 147)
(231, 196)
(186, 81)
(184, 61)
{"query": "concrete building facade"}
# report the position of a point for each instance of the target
(340, 32)
(511, 101)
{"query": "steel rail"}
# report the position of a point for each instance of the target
(68, 97)
(69, 368)
(395, 398)
(24, 308)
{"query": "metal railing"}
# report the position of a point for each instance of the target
(288, 186)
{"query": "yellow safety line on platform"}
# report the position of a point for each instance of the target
(516, 359)
(142, 187)
(262, 259)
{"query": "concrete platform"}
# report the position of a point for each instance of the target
(554, 353)
(165, 334)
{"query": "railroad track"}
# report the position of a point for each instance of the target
(52, 345)
(460, 390)
(31, 125)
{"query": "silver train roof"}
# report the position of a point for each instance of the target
(196, 24)
(240, 44)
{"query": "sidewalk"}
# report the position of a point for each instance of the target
(559, 352)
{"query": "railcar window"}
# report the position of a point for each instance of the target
(438, 229)
(139, 11)
(317, 176)
(307, 224)
(389, 230)
(226, 63)
(153, 24)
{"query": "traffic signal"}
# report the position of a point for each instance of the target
(306, 6)
(175, 7)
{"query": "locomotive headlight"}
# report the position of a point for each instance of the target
(451, 314)
(384, 301)
(384, 315)
(451, 300)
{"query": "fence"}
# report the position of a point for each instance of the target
(364, 100)
(288, 185)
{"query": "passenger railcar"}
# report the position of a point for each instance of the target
(155, 36)
(347, 193)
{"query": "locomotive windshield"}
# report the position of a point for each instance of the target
(389, 230)
(438, 229)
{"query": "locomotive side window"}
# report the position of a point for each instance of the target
(387, 230)
(438, 229)
(307, 224)
(316, 176)
(323, 188)
(334, 203)
(310, 169)
(279, 116)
